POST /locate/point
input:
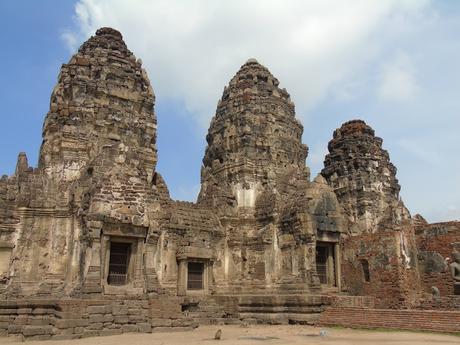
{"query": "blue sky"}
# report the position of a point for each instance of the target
(392, 63)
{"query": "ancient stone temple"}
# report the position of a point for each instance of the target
(92, 244)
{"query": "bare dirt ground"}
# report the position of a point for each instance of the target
(259, 335)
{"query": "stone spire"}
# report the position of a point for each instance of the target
(103, 98)
(363, 178)
(254, 140)
(22, 165)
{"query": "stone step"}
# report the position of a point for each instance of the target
(282, 318)
(217, 321)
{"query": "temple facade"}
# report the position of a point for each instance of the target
(93, 225)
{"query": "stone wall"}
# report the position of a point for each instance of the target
(435, 243)
(449, 302)
(391, 258)
(421, 320)
(76, 318)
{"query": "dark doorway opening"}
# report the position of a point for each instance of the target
(195, 276)
(325, 263)
(118, 263)
(366, 273)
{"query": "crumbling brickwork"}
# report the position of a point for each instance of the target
(390, 258)
(436, 243)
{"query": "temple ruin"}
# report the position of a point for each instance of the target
(92, 244)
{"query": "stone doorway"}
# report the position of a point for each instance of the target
(118, 263)
(325, 263)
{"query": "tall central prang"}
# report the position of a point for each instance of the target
(254, 140)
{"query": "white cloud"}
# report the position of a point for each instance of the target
(191, 49)
(398, 80)
(69, 39)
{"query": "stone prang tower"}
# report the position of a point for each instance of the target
(254, 141)
(96, 174)
(103, 97)
(254, 174)
(363, 178)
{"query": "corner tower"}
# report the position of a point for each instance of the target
(103, 97)
(254, 141)
(363, 178)
(96, 181)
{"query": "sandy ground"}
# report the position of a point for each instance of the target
(260, 335)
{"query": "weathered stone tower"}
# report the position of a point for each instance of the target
(254, 174)
(95, 179)
(363, 178)
(103, 97)
(254, 142)
(379, 226)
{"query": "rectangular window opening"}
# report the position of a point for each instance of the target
(195, 276)
(118, 263)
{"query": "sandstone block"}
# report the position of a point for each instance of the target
(65, 336)
(36, 330)
(129, 328)
(39, 321)
(39, 337)
(14, 329)
(96, 309)
(108, 318)
(90, 333)
(21, 320)
(24, 310)
(161, 322)
(145, 327)
(119, 310)
(121, 319)
(95, 326)
(171, 329)
(107, 332)
(93, 318)
(78, 330)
